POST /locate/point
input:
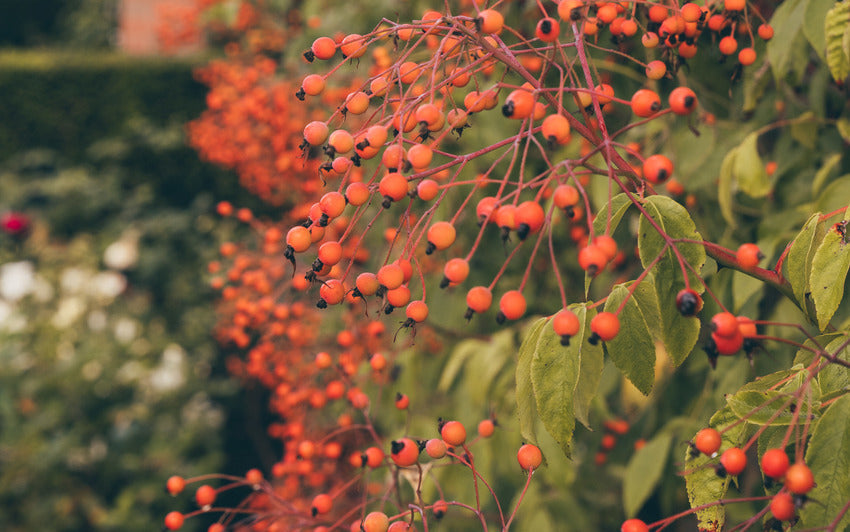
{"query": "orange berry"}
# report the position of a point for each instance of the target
(453, 433)
(512, 305)
(529, 457)
(605, 325)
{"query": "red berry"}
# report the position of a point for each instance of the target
(634, 525)
(205, 495)
(322, 504)
(453, 433)
(748, 256)
(724, 324)
(707, 441)
(566, 324)
(512, 305)
(782, 506)
(605, 325)
(657, 169)
(645, 103)
(683, 101)
(479, 299)
(486, 428)
(529, 457)
(799, 479)
(175, 485)
(402, 401)
(405, 452)
(733, 460)
(774, 463)
(436, 448)
(728, 345)
(174, 520)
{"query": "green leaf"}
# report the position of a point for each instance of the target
(526, 408)
(457, 359)
(592, 362)
(834, 195)
(554, 375)
(813, 24)
(798, 262)
(835, 378)
(829, 270)
(702, 483)
(619, 204)
(805, 130)
(725, 192)
(769, 407)
(644, 471)
(632, 350)
(828, 456)
(787, 22)
(749, 169)
(835, 26)
(843, 126)
(678, 333)
(823, 173)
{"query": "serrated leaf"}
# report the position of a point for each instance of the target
(702, 483)
(749, 169)
(798, 262)
(592, 362)
(632, 350)
(835, 26)
(813, 24)
(644, 471)
(823, 173)
(526, 407)
(828, 456)
(830, 264)
(725, 191)
(787, 23)
(554, 375)
(763, 408)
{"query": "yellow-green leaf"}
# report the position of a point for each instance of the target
(644, 471)
(824, 172)
(767, 407)
(813, 25)
(632, 350)
(701, 480)
(835, 26)
(749, 169)
(591, 364)
(830, 264)
(725, 191)
(828, 456)
(798, 262)
(526, 408)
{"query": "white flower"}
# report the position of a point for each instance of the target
(106, 286)
(123, 253)
(17, 279)
(69, 311)
(169, 375)
(74, 280)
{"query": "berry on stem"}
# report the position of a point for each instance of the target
(733, 460)
(529, 457)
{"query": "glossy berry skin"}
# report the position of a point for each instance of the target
(479, 299)
(322, 504)
(707, 441)
(605, 325)
(683, 101)
(645, 103)
(529, 457)
(174, 521)
(688, 302)
(724, 324)
(402, 401)
(782, 506)
(175, 485)
(405, 452)
(657, 169)
(453, 433)
(799, 479)
(748, 256)
(512, 305)
(634, 525)
(566, 324)
(548, 29)
(774, 463)
(205, 495)
(728, 345)
(734, 461)
(486, 428)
